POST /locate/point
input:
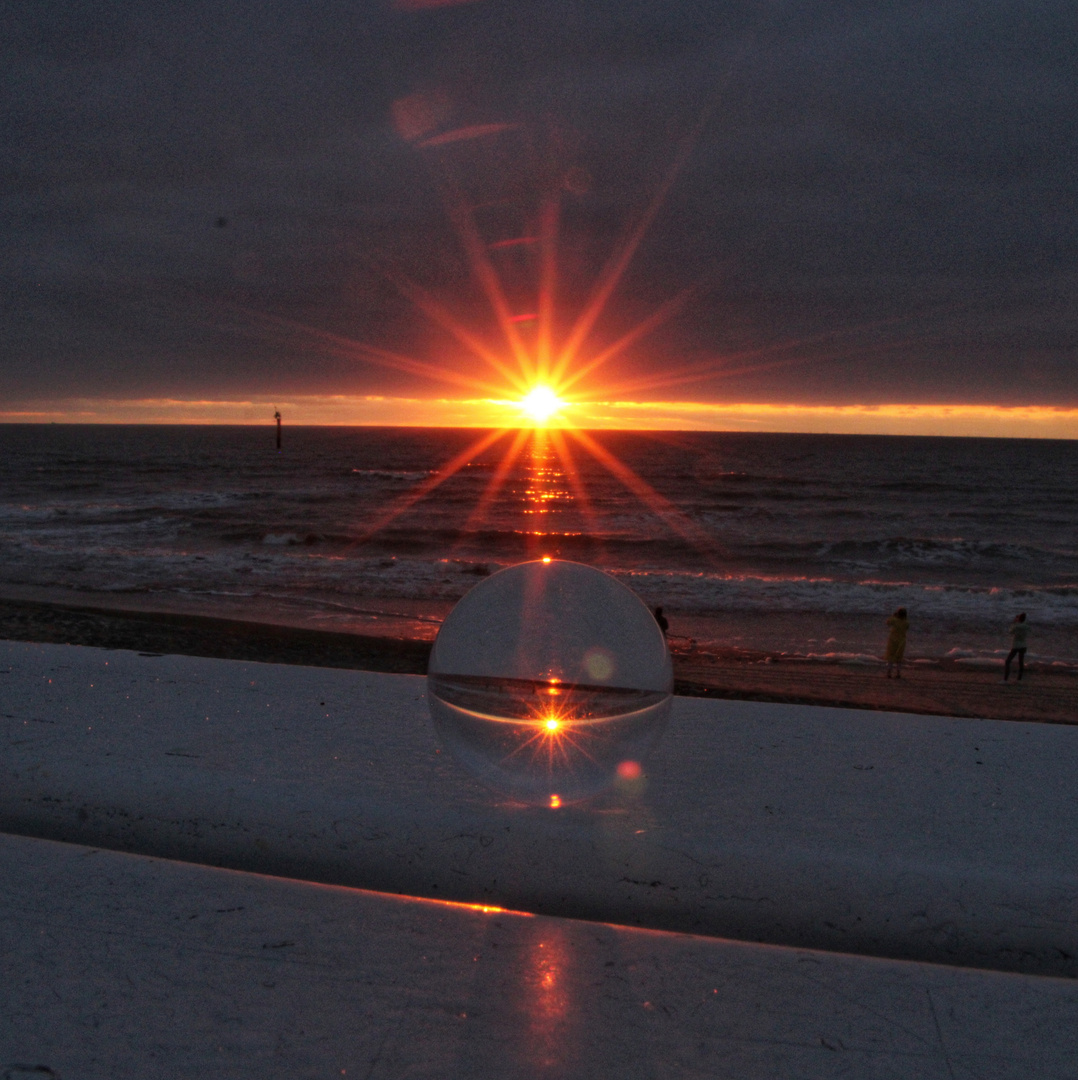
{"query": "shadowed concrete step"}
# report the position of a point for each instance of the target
(884, 834)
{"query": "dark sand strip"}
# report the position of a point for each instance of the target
(941, 689)
(203, 635)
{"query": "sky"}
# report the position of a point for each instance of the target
(797, 215)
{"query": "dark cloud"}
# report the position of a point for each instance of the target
(882, 204)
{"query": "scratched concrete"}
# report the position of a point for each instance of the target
(116, 966)
(883, 834)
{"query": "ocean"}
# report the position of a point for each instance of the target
(760, 544)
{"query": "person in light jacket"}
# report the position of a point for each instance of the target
(1019, 640)
(899, 626)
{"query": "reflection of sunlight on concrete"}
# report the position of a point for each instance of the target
(548, 983)
(625, 835)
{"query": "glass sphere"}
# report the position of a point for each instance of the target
(548, 681)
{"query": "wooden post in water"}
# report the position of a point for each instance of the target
(277, 417)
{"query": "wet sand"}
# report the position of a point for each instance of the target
(942, 688)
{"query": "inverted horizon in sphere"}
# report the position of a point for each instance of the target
(549, 682)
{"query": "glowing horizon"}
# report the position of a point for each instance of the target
(534, 366)
(374, 410)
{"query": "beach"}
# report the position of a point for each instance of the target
(777, 558)
(939, 687)
(791, 546)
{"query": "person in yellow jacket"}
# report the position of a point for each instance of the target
(898, 625)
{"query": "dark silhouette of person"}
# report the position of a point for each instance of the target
(1019, 638)
(899, 626)
(660, 618)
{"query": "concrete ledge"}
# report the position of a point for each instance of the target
(888, 835)
(124, 966)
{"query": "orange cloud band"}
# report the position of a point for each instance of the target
(1006, 421)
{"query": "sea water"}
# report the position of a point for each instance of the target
(793, 544)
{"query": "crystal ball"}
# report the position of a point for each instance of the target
(548, 681)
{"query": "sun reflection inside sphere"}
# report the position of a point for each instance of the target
(549, 677)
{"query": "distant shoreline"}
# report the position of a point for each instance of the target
(944, 688)
(1033, 417)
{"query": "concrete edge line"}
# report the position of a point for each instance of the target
(954, 915)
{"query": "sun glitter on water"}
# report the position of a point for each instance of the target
(540, 405)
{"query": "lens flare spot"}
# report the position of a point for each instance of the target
(629, 770)
(599, 664)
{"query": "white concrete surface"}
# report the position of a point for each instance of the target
(119, 966)
(881, 834)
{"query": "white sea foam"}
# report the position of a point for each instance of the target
(705, 593)
(850, 658)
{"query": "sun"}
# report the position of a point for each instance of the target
(540, 405)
